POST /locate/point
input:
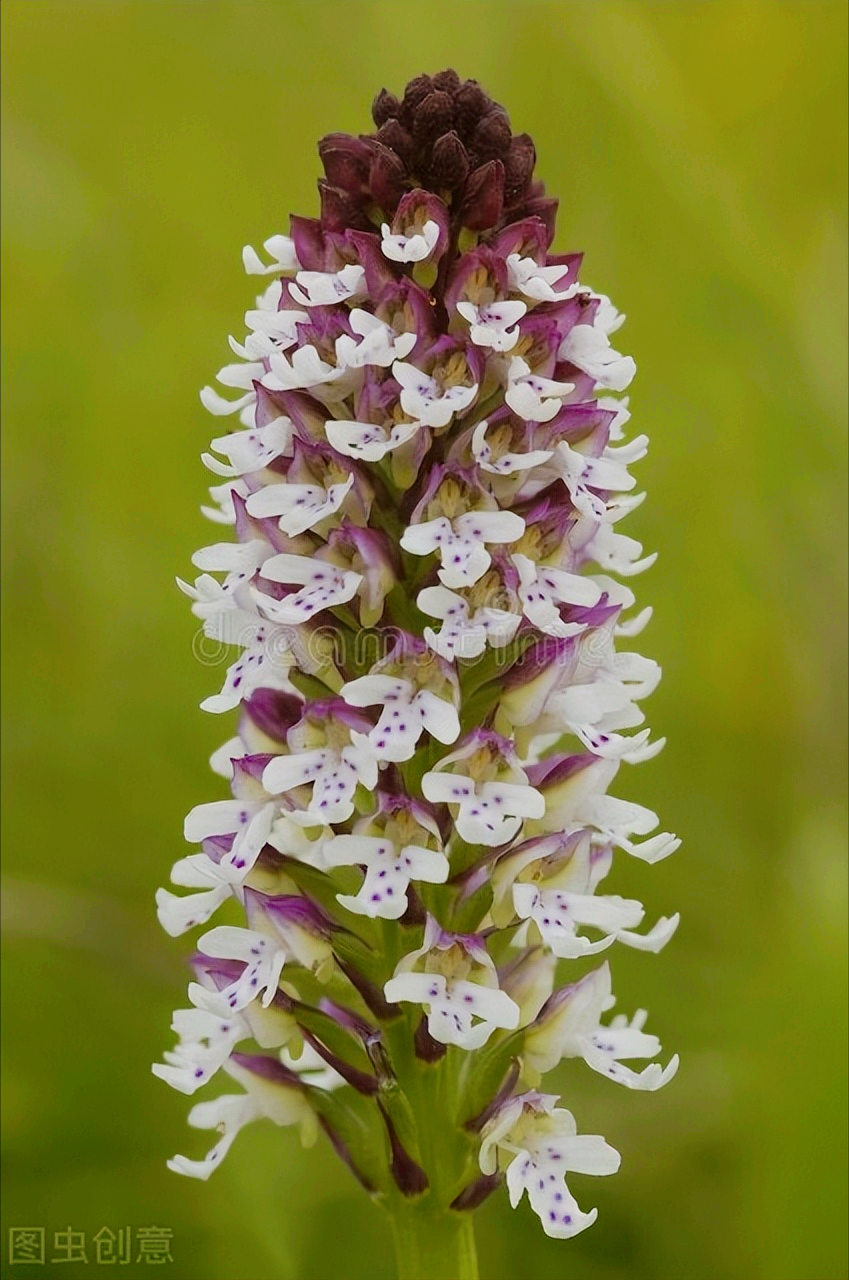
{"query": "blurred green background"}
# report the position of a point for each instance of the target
(698, 150)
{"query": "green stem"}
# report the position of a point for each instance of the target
(431, 1245)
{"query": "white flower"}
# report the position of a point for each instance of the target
(239, 560)
(251, 450)
(542, 588)
(494, 325)
(412, 246)
(506, 463)
(458, 985)
(224, 511)
(580, 474)
(249, 823)
(215, 403)
(594, 711)
(325, 288)
(489, 813)
(273, 331)
(389, 870)
(368, 441)
(453, 1005)
(617, 553)
(263, 958)
(582, 803)
(579, 801)
(633, 451)
(545, 1146)
(558, 913)
(267, 659)
(573, 1029)
(177, 914)
(299, 506)
(281, 249)
(278, 1101)
(531, 397)
(379, 344)
(206, 1042)
(332, 771)
(604, 1048)
(323, 585)
(526, 276)
(424, 399)
(267, 320)
(621, 411)
(407, 712)
(305, 371)
(461, 542)
(588, 347)
(463, 634)
(606, 318)
(228, 1115)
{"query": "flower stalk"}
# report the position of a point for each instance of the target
(431, 1246)
(424, 596)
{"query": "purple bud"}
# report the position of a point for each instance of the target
(386, 177)
(507, 1086)
(385, 107)
(491, 139)
(347, 1018)
(434, 115)
(343, 1152)
(428, 1049)
(414, 94)
(294, 909)
(546, 210)
(476, 1192)
(359, 1080)
(346, 161)
(395, 139)
(447, 80)
(449, 162)
(268, 1068)
(372, 995)
(470, 103)
(274, 712)
(338, 209)
(310, 244)
(410, 1178)
(558, 768)
(518, 166)
(484, 196)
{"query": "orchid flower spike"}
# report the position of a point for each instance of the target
(423, 477)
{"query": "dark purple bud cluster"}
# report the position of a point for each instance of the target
(444, 135)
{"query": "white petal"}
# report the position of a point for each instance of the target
(422, 539)
(438, 716)
(655, 939)
(446, 788)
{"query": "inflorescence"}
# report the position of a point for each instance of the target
(424, 589)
